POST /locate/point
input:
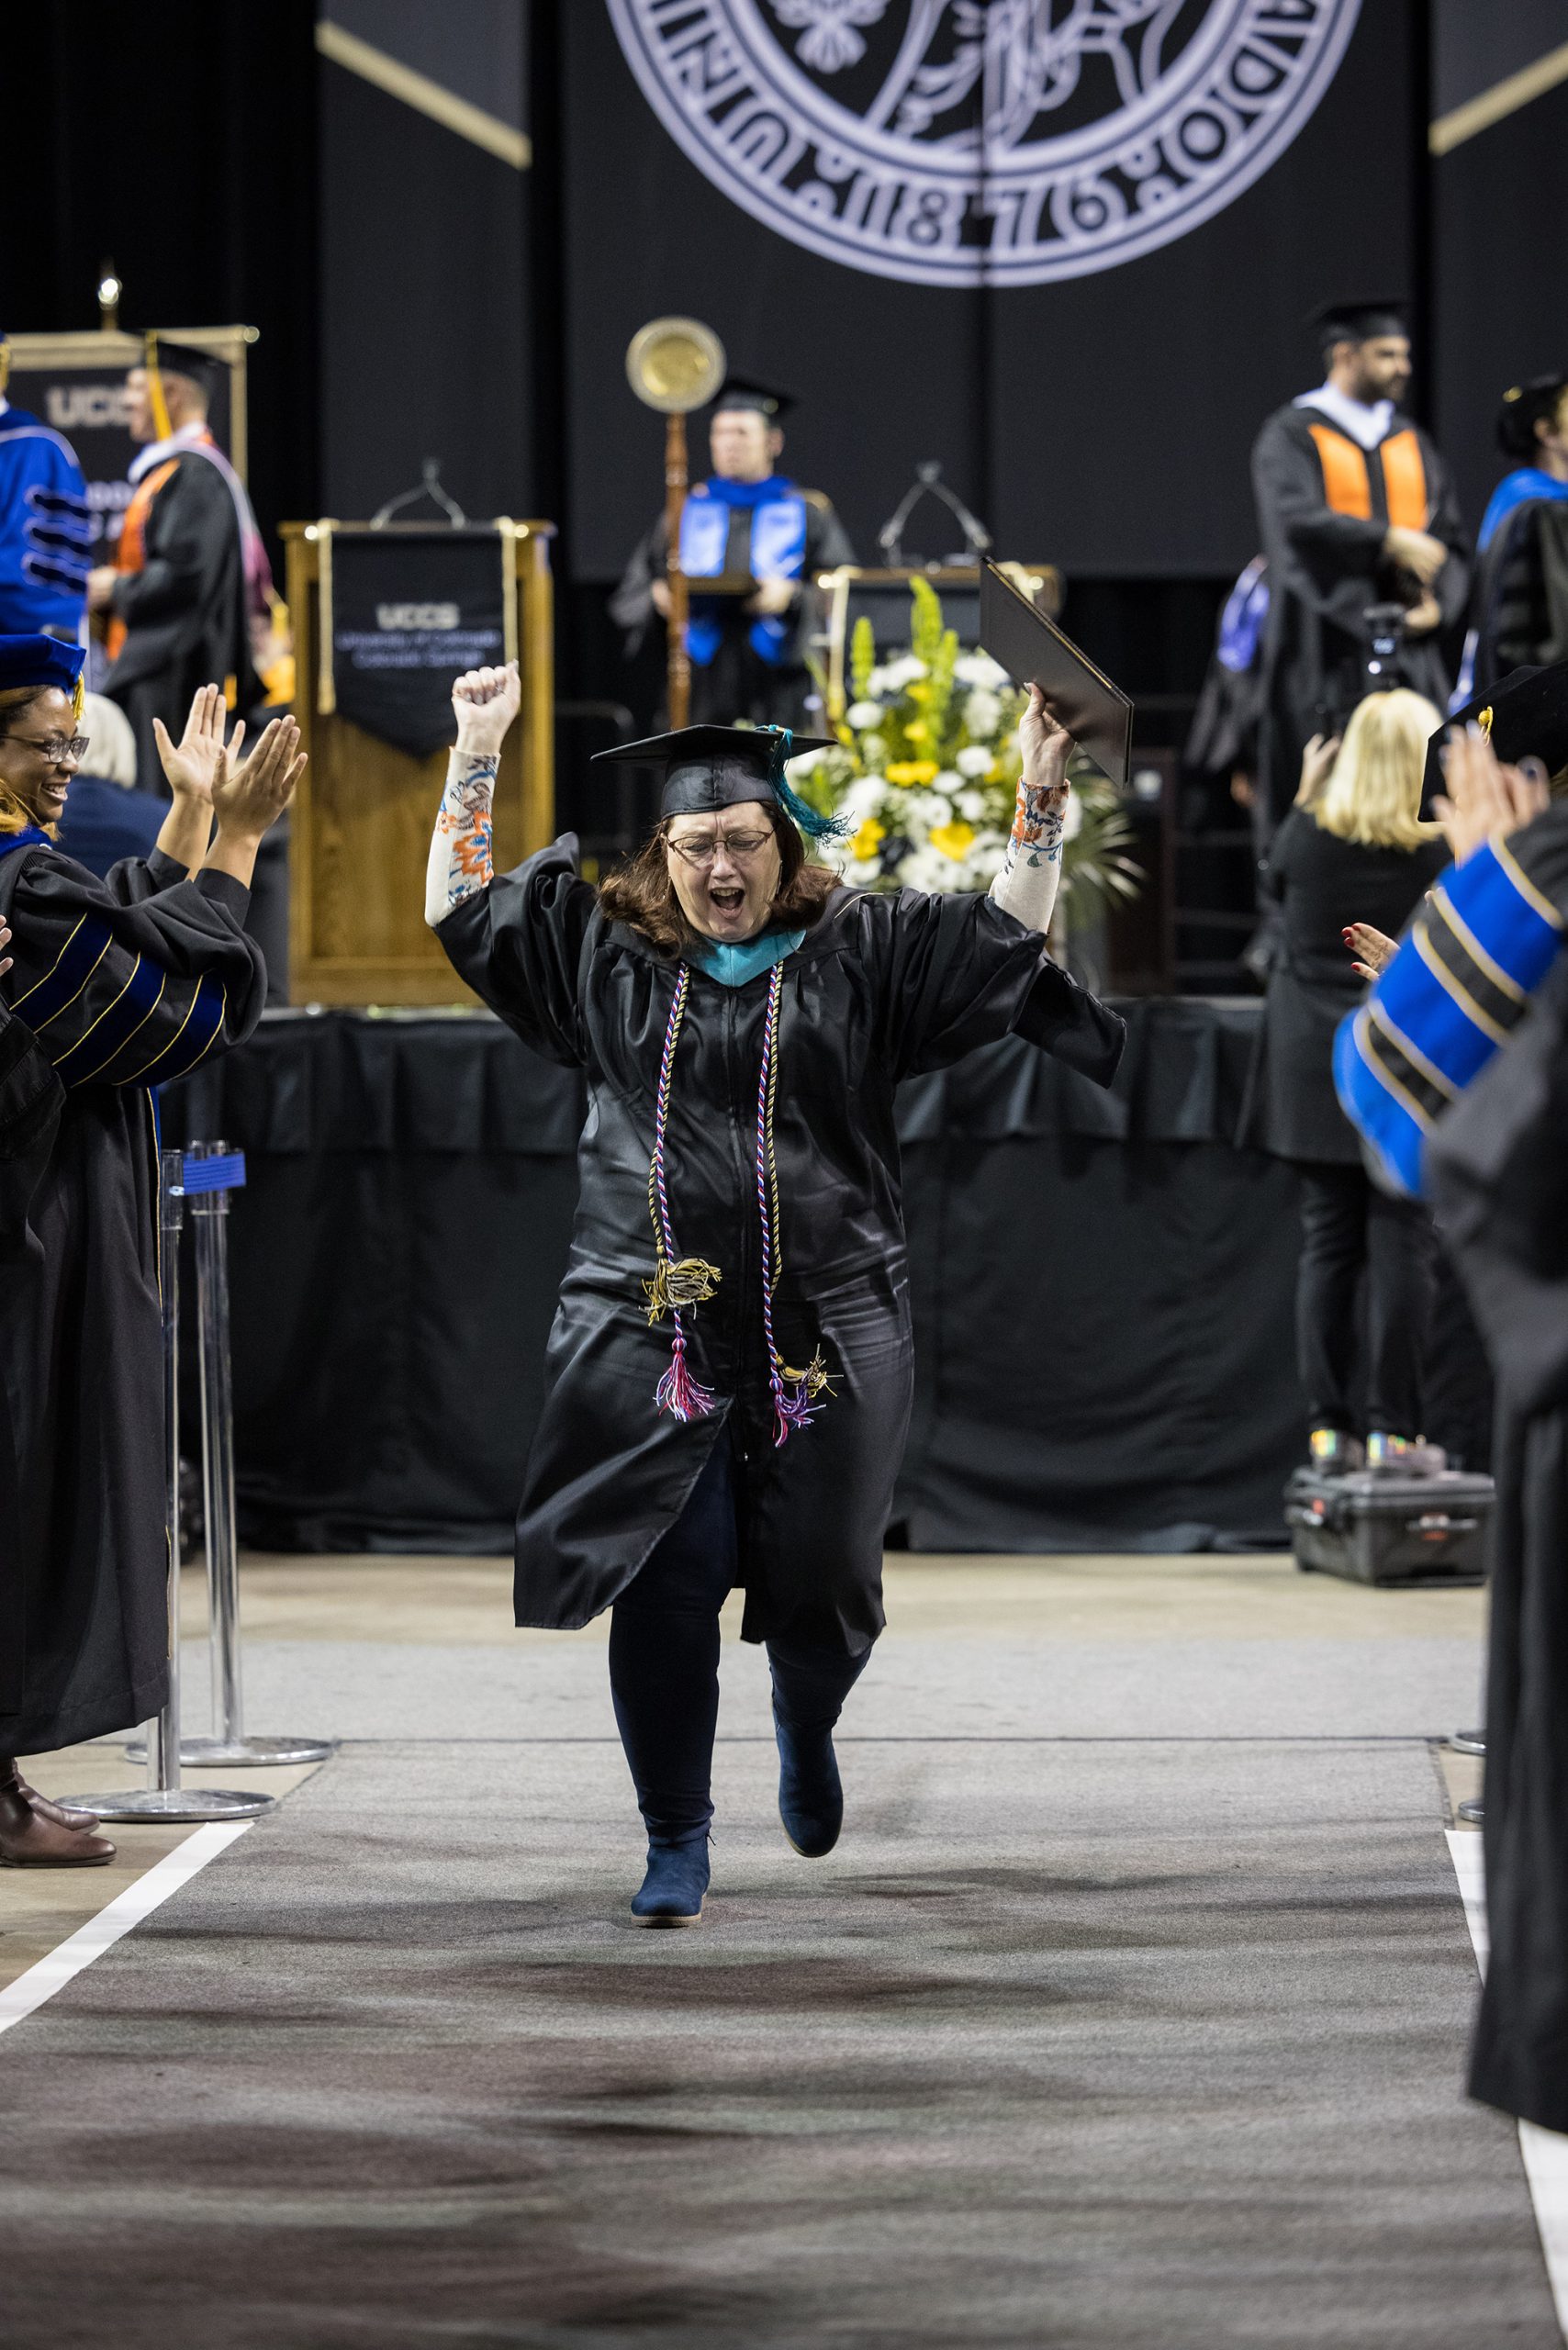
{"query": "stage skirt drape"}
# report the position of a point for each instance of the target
(1102, 1286)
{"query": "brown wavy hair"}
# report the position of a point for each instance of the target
(641, 892)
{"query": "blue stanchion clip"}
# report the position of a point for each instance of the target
(224, 1174)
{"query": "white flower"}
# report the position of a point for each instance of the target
(974, 759)
(862, 714)
(982, 713)
(863, 799)
(947, 780)
(970, 805)
(808, 762)
(874, 749)
(979, 669)
(984, 860)
(897, 675)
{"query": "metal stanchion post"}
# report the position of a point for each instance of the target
(163, 1798)
(210, 1171)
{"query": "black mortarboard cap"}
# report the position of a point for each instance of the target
(185, 359)
(1360, 319)
(762, 399)
(710, 767)
(1526, 716)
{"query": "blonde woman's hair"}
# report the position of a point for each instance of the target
(1373, 792)
(111, 741)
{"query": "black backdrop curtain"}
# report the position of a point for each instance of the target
(179, 138)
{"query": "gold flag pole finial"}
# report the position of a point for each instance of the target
(675, 365)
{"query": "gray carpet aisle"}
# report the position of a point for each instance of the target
(1147, 2045)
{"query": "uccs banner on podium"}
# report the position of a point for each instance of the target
(405, 611)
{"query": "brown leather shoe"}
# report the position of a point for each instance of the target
(63, 1815)
(31, 1839)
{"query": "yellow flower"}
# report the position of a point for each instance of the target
(867, 840)
(918, 689)
(912, 771)
(917, 730)
(954, 840)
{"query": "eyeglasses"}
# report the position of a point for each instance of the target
(55, 748)
(701, 853)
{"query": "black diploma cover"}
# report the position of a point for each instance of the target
(1034, 651)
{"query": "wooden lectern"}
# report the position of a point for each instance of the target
(361, 820)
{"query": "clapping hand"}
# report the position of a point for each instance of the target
(486, 703)
(251, 798)
(1373, 949)
(1316, 764)
(5, 942)
(1045, 745)
(1485, 800)
(190, 764)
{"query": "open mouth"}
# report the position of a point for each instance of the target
(725, 897)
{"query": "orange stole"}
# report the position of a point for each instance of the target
(131, 554)
(1346, 476)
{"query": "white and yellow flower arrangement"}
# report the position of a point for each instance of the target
(925, 771)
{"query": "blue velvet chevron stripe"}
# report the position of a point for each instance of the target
(68, 975)
(114, 1027)
(195, 1035)
(1460, 983)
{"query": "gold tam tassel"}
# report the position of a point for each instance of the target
(689, 1280)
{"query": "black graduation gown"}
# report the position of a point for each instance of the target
(881, 986)
(127, 983)
(185, 610)
(1325, 570)
(737, 683)
(30, 1099)
(1497, 1173)
(1320, 883)
(1520, 611)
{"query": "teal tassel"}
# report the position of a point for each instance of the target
(804, 818)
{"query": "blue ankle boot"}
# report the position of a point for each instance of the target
(811, 1794)
(671, 1893)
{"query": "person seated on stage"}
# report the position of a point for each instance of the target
(1355, 511)
(190, 570)
(1353, 848)
(106, 818)
(729, 1392)
(1456, 1071)
(746, 521)
(1519, 608)
(125, 984)
(46, 525)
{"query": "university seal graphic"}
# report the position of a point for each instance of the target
(1007, 142)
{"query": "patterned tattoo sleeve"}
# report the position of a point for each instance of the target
(460, 863)
(1026, 886)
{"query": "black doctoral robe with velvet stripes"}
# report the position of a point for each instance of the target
(123, 985)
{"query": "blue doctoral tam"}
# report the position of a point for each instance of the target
(40, 661)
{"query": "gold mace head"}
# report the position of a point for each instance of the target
(675, 364)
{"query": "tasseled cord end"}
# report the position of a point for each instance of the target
(795, 1396)
(805, 820)
(677, 1392)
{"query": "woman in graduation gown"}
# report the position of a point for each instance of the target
(729, 1370)
(123, 985)
(1457, 1072)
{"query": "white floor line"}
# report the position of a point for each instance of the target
(1545, 2152)
(127, 1910)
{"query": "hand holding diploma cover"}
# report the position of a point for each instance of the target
(1034, 651)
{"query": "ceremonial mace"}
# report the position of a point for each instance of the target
(675, 365)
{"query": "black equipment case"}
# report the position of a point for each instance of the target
(1375, 1526)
